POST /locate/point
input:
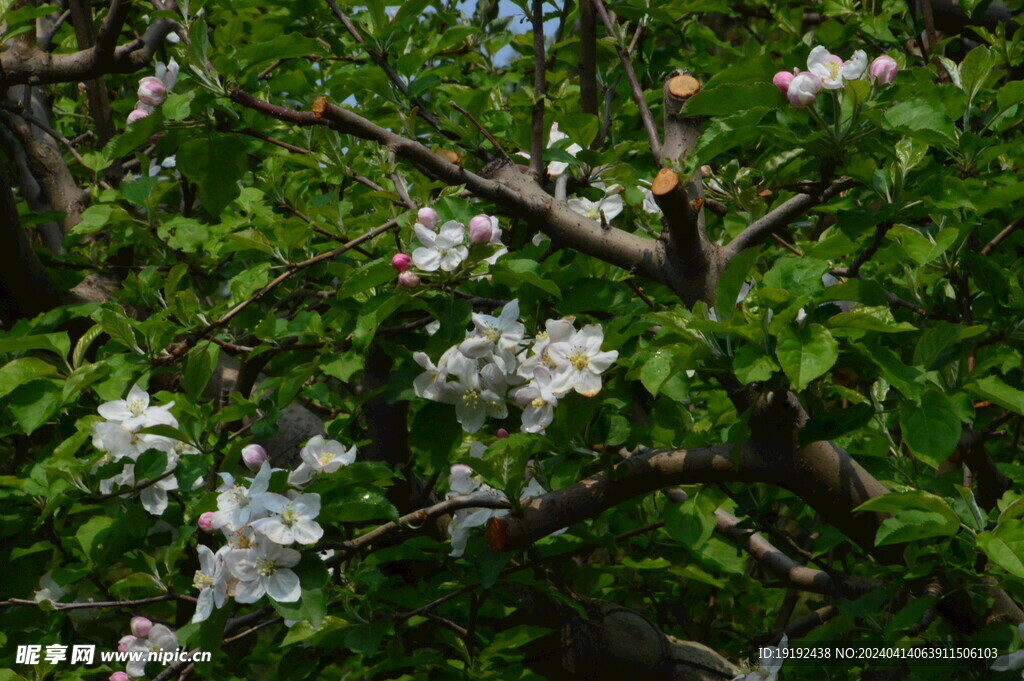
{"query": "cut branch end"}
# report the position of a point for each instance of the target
(683, 86)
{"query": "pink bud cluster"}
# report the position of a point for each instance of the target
(153, 90)
(442, 248)
(830, 72)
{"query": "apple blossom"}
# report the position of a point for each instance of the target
(152, 91)
(477, 396)
(253, 456)
(481, 227)
(408, 279)
(649, 205)
(782, 80)
(122, 645)
(291, 519)
(135, 412)
(119, 676)
(237, 504)
(606, 208)
(555, 331)
(538, 401)
(401, 261)
(504, 331)
(212, 581)
(831, 70)
(556, 168)
(803, 89)
(136, 114)
(579, 362)
(320, 456)
(442, 250)
(205, 521)
(167, 73)
(429, 384)
(159, 638)
(140, 626)
(883, 69)
(264, 569)
(427, 217)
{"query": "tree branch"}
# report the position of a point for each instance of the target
(781, 215)
(634, 84)
(588, 58)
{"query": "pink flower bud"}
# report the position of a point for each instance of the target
(427, 217)
(205, 521)
(481, 228)
(461, 470)
(125, 641)
(137, 114)
(706, 171)
(152, 91)
(401, 261)
(782, 80)
(119, 676)
(528, 473)
(253, 456)
(883, 69)
(502, 433)
(409, 279)
(141, 626)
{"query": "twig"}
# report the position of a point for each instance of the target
(999, 238)
(12, 602)
(876, 242)
(537, 129)
(638, 93)
(284, 145)
(785, 244)
(483, 131)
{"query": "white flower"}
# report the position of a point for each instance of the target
(1011, 661)
(430, 384)
(610, 206)
(556, 168)
(49, 590)
(502, 331)
(212, 581)
(154, 497)
(555, 331)
(767, 667)
(650, 205)
(538, 401)
(264, 569)
(160, 638)
(134, 412)
(237, 504)
(443, 250)
(474, 399)
(168, 73)
(802, 90)
(291, 519)
(579, 362)
(831, 70)
(321, 456)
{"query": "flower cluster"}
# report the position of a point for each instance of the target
(153, 90)
(145, 638)
(829, 72)
(444, 249)
(119, 438)
(495, 364)
(260, 526)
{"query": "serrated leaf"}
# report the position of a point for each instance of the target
(20, 371)
(993, 389)
(215, 164)
(932, 428)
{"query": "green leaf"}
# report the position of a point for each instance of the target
(656, 370)
(215, 164)
(1005, 546)
(932, 428)
(58, 343)
(805, 354)
(150, 465)
(800, 276)
(34, 403)
(921, 120)
(750, 364)
(21, 371)
(281, 46)
(731, 282)
(867, 318)
(199, 367)
(692, 522)
(916, 515)
(514, 273)
(993, 389)
(311, 607)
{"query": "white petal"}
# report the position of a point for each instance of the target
(283, 586)
(588, 384)
(424, 235)
(426, 259)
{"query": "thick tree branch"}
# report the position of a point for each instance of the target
(781, 215)
(37, 67)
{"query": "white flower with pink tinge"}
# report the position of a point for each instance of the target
(443, 250)
(264, 569)
(832, 71)
(160, 638)
(321, 456)
(291, 520)
(579, 362)
(211, 579)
